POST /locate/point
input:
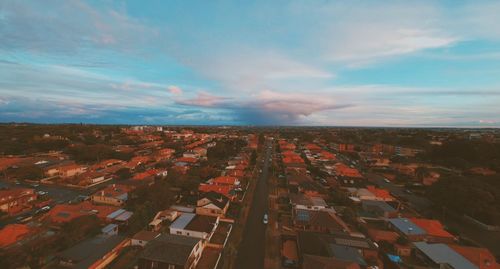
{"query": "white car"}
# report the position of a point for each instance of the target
(266, 220)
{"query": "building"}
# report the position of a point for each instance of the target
(13, 233)
(441, 256)
(301, 201)
(66, 170)
(319, 221)
(193, 225)
(434, 229)
(408, 229)
(143, 237)
(172, 252)
(481, 257)
(13, 201)
(212, 204)
(114, 194)
(378, 209)
(93, 253)
(340, 247)
(160, 217)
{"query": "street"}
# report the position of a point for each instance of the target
(252, 247)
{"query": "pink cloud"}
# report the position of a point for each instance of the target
(204, 99)
(174, 90)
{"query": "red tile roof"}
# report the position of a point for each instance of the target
(225, 180)
(65, 213)
(381, 235)
(12, 233)
(380, 193)
(221, 189)
(344, 170)
(481, 257)
(432, 227)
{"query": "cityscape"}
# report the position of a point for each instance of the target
(249, 134)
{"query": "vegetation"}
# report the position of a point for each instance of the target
(146, 201)
(478, 197)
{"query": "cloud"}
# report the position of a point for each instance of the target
(267, 107)
(68, 27)
(175, 90)
(203, 99)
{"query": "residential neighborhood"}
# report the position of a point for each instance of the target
(170, 197)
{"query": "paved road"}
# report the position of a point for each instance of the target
(252, 247)
(58, 194)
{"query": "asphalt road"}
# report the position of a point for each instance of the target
(252, 248)
(58, 194)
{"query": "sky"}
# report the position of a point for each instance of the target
(328, 63)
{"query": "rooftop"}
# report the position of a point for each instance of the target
(443, 254)
(170, 248)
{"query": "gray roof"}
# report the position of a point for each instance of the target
(170, 249)
(379, 204)
(108, 228)
(407, 227)
(182, 221)
(442, 254)
(116, 213)
(89, 251)
(346, 253)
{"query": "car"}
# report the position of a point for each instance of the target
(266, 219)
(35, 185)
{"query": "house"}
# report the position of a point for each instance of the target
(171, 251)
(481, 257)
(225, 180)
(120, 216)
(13, 201)
(96, 252)
(193, 225)
(143, 237)
(341, 247)
(110, 229)
(318, 262)
(160, 217)
(324, 221)
(434, 229)
(378, 209)
(212, 204)
(380, 194)
(65, 170)
(13, 233)
(343, 170)
(301, 201)
(63, 213)
(225, 190)
(407, 228)
(114, 194)
(383, 235)
(441, 256)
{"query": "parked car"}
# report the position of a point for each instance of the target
(265, 220)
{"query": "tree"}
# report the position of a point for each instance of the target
(123, 174)
(253, 157)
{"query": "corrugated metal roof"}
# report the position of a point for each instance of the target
(115, 213)
(442, 254)
(407, 227)
(182, 221)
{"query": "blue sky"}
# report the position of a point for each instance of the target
(348, 63)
